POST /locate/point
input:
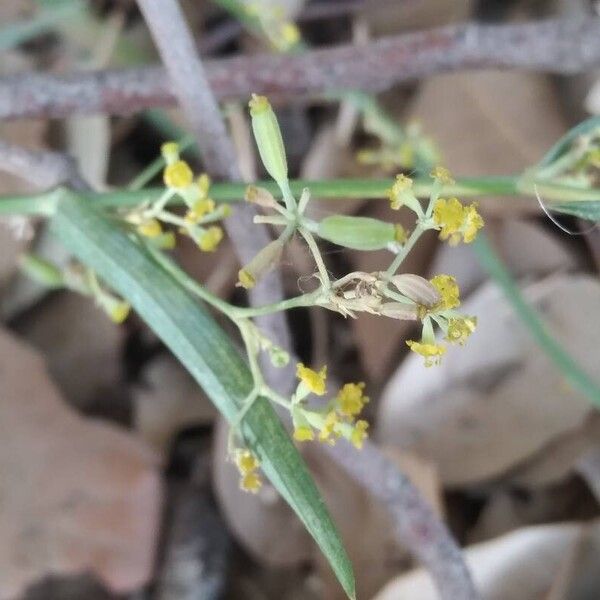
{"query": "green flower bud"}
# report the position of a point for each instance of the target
(279, 357)
(358, 233)
(268, 138)
(261, 264)
(42, 271)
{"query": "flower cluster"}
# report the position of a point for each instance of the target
(399, 147)
(248, 465)
(450, 217)
(456, 327)
(338, 418)
(201, 215)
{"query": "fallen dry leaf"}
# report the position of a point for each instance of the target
(518, 566)
(496, 402)
(557, 460)
(257, 521)
(483, 124)
(389, 17)
(83, 358)
(526, 247)
(368, 533)
(76, 495)
(167, 401)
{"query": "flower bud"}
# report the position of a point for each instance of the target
(279, 357)
(261, 264)
(260, 196)
(170, 152)
(117, 309)
(417, 289)
(268, 138)
(358, 233)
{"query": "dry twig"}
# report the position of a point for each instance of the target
(554, 46)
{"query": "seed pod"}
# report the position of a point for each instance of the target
(268, 138)
(417, 288)
(399, 310)
(358, 233)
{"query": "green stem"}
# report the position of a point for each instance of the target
(188, 283)
(410, 242)
(44, 203)
(314, 248)
(297, 301)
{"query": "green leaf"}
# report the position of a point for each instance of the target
(565, 142)
(584, 210)
(194, 337)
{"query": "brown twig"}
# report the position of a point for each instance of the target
(417, 526)
(554, 46)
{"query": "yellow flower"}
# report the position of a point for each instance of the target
(120, 312)
(449, 215)
(442, 175)
(472, 223)
(200, 208)
(431, 352)
(251, 482)
(448, 288)
(178, 175)
(460, 329)
(304, 433)
(150, 228)
(245, 279)
(290, 35)
(329, 433)
(313, 380)
(456, 221)
(210, 239)
(350, 399)
(246, 462)
(401, 192)
(359, 434)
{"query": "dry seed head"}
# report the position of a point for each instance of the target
(417, 289)
(399, 310)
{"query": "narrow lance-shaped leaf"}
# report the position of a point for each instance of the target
(194, 337)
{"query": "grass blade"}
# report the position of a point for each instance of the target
(194, 337)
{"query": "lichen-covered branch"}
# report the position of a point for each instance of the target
(553, 46)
